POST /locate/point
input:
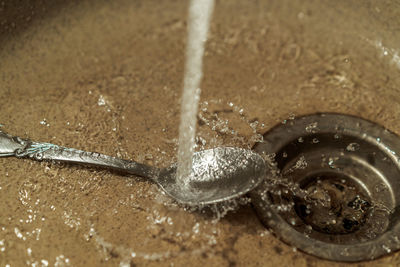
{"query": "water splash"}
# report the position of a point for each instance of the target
(199, 20)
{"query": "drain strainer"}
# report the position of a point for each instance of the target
(335, 190)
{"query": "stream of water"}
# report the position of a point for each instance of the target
(198, 24)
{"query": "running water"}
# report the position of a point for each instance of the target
(198, 23)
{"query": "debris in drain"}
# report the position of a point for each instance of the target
(359, 204)
(333, 205)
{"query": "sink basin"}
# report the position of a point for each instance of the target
(106, 76)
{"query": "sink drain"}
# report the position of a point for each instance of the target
(335, 188)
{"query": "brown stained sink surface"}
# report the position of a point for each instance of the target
(108, 77)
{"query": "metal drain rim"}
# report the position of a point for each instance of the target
(339, 124)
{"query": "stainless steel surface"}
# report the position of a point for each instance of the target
(345, 204)
(219, 174)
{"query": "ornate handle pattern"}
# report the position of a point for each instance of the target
(21, 148)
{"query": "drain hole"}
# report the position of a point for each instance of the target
(333, 204)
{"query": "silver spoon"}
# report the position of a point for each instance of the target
(219, 174)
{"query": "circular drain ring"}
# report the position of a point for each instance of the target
(380, 155)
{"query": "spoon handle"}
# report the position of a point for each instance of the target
(25, 148)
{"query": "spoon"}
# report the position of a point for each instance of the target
(218, 174)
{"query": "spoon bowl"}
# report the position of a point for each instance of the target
(218, 174)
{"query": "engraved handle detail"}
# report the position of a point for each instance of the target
(20, 148)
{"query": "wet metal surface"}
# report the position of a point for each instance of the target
(217, 174)
(339, 187)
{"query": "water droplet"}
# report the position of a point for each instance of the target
(38, 156)
(380, 187)
(331, 163)
(345, 252)
(101, 101)
(312, 127)
(353, 147)
(386, 248)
